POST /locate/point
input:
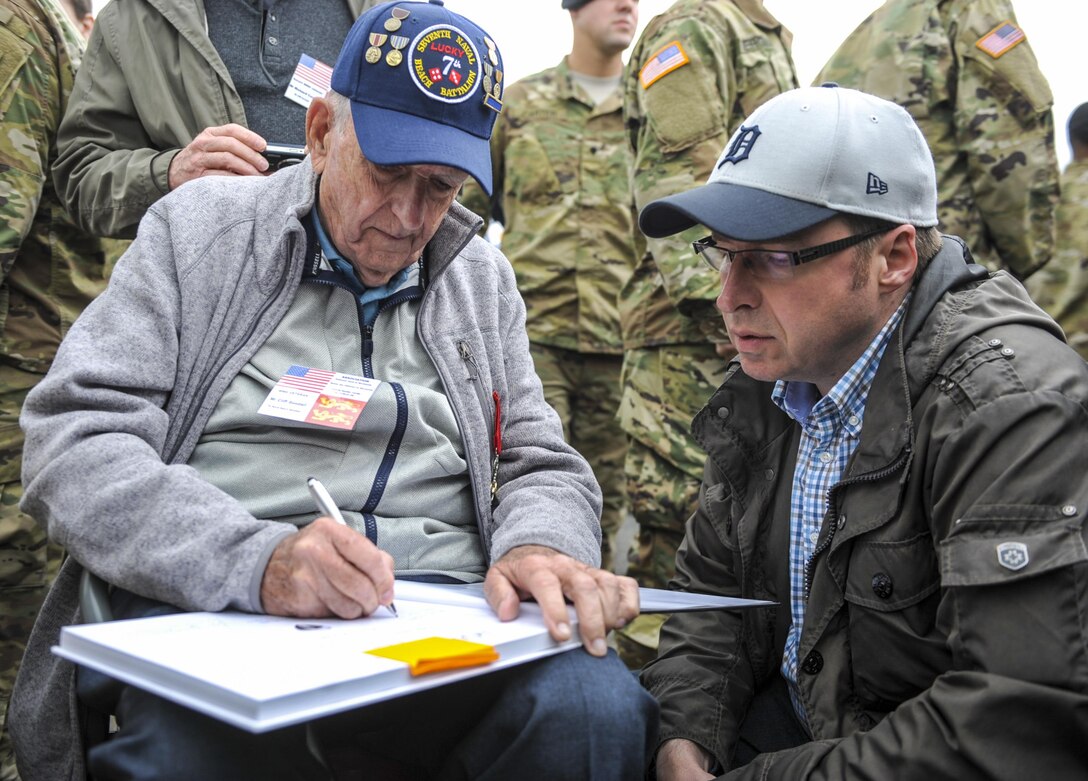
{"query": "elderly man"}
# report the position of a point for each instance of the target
(897, 457)
(150, 459)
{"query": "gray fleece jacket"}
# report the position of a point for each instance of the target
(212, 272)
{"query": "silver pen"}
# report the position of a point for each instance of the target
(326, 506)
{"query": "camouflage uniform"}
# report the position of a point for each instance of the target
(563, 196)
(733, 57)
(987, 119)
(49, 271)
(1061, 287)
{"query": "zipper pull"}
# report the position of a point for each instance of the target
(496, 449)
(466, 356)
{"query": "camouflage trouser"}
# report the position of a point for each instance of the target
(664, 387)
(662, 499)
(584, 389)
(28, 565)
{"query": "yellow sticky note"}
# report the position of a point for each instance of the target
(434, 654)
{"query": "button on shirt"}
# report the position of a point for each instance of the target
(830, 427)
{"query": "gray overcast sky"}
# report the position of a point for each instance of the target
(535, 34)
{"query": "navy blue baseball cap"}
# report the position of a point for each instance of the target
(425, 86)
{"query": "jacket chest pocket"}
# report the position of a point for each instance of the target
(535, 173)
(892, 590)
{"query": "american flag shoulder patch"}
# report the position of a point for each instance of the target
(665, 60)
(1000, 39)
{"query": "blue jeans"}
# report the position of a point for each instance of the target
(569, 716)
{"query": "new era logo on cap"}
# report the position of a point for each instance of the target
(874, 185)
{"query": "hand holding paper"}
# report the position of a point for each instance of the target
(602, 600)
(327, 570)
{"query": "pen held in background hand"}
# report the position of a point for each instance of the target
(326, 506)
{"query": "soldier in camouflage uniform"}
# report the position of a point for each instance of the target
(560, 161)
(1061, 287)
(697, 71)
(49, 271)
(966, 73)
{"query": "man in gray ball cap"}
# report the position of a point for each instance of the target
(896, 457)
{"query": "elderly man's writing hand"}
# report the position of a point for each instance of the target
(327, 570)
(226, 150)
(602, 600)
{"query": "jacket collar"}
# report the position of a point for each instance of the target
(569, 89)
(190, 20)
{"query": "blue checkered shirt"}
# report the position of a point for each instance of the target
(830, 427)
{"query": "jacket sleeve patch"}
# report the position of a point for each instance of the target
(1000, 39)
(662, 62)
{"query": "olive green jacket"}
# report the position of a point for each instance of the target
(151, 81)
(945, 629)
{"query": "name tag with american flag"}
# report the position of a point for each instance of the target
(311, 79)
(319, 396)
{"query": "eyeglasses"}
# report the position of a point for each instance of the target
(772, 263)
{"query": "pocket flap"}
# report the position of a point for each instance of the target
(887, 575)
(984, 560)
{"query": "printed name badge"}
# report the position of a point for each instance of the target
(320, 397)
(312, 79)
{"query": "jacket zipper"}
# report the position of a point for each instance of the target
(392, 448)
(833, 509)
(475, 377)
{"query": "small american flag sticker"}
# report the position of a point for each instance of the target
(306, 379)
(665, 60)
(1000, 39)
(310, 80)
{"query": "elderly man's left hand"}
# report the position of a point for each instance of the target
(602, 600)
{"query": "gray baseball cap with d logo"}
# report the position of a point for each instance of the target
(803, 157)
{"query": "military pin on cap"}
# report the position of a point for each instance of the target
(489, 71)
(399, 15)
(374, 53)
(395, 58)
(492, 53)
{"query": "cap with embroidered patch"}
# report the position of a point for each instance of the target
(803, 157)
(425, 86)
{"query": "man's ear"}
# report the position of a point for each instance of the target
(319, 124)
(900, 257)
